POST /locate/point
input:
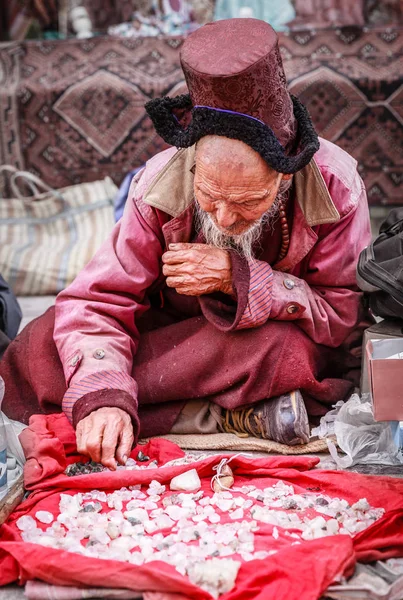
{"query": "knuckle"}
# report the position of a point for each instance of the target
(92, 445)
(108, 448)
(81, 449)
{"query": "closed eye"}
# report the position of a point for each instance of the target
(252, 204)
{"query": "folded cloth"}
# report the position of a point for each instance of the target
(295, 571)
(369, 582)
(37, 590)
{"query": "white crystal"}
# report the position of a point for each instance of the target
(100, 536)
(155, 488)
(237, 514)
(113, 531)
(198, 518)
(140, 514)
(136, 558)
(70, 505)
(100, 496)
(224, 536)
(147, 552)
(188, 481)
(224, 504)
(225, 494)
(84, 521)
(123, 543)
(245, 536)
(214, 518)
(163, 522)
(275, 533)
(44, 516)
(57, 529)
(216, 576)
(26, 523)
(150, 526)
(332, 527)
(187, 501)
(157, 539)
(361, 505)
(115, 517)
(125, 528)
(176, 512)
(115, 502)
(262, 554)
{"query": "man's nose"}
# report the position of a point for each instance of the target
(225, 217)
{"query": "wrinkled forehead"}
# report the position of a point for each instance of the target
(230, 158)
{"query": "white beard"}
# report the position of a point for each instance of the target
(244, 242)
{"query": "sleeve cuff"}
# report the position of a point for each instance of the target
(102, 380)
(105, 399)
(219, 309)
(259, 300)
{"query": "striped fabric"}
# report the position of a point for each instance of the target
(46, 242)
(260, 295)
(103, 380)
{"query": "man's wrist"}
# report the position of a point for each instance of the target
(106, 398)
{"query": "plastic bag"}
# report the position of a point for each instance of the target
(326, 425)
(363, 440)
(15, 453)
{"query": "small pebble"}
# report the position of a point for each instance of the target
(44, 516)
(142, 457)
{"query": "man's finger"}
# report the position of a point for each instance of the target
(171, 270)
(176, 258)
(79, 437)
(182, 246)
(125, 444)
(110, 438)
(84, 428)
(187, 246)
(177, 281)
(184, 270)
(93, 440)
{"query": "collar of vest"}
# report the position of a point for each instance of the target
(172, 189)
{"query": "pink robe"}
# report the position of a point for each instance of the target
(116, 350)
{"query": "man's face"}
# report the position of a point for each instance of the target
(233, 185)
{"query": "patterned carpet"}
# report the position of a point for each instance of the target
(72, 110)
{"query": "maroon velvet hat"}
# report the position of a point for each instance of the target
(238, 89)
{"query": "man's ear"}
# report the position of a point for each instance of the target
(286, 177)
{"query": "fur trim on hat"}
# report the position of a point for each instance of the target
(260, 137)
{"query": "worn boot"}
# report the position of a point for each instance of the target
(283, 419)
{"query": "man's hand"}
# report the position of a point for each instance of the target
(106, 436)
(197, 269)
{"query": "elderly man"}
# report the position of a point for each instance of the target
(225, 299)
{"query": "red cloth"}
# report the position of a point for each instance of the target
(299, 572)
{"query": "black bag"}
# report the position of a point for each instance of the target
(380, 268)
(10, 312)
